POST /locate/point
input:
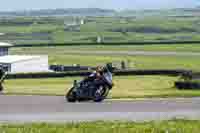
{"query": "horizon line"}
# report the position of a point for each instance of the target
(24, 10)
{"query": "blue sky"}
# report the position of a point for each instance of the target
(9, 5)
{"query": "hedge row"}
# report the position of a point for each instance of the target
(46, 75)
(187, 85)
(63, 68)
(108, 43)
(86, 73)
(195, 75)
(150, 72)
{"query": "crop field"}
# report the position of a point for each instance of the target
(173, 126)
(125, 87)
(110, 29)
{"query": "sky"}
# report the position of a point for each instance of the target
(11, 5)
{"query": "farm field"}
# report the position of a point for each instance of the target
(125, 87)
(43, 30)
(172, 126)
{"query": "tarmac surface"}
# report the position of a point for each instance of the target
(15, 109)
(134, 53)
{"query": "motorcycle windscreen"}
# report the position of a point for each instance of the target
(108, 77)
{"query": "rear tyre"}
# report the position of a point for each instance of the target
(1, 88)
(71, 96)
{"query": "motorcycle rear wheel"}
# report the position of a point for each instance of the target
(1, 88)
(71, 96)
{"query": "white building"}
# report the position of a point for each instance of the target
(25, 63)
(22, 63)
(99, 39)
(82, 22)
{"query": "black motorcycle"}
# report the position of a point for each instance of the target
(96, 90)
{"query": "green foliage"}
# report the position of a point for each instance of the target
(172, 126)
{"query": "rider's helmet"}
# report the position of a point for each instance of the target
(99, 69)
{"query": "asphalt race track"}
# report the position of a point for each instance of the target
(134, 53)
(56, 109)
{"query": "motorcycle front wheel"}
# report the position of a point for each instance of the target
(100, 94)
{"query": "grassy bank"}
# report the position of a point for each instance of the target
(125, 87)
(173, 126)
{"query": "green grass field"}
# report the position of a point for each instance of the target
(125, 87)
(172, 126)
(60, 55)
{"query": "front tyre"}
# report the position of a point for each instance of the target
(100, 94)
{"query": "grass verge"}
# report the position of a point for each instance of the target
(125, 87)
(172, 126)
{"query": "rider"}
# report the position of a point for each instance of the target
(97, 74)
(101, 72)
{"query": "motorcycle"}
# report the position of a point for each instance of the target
(86, 90)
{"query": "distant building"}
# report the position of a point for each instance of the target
(99, 39)
(82, 22)
(24, 64)
(21, 63)
(4, 48)
(1, 34)
(73, 26)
